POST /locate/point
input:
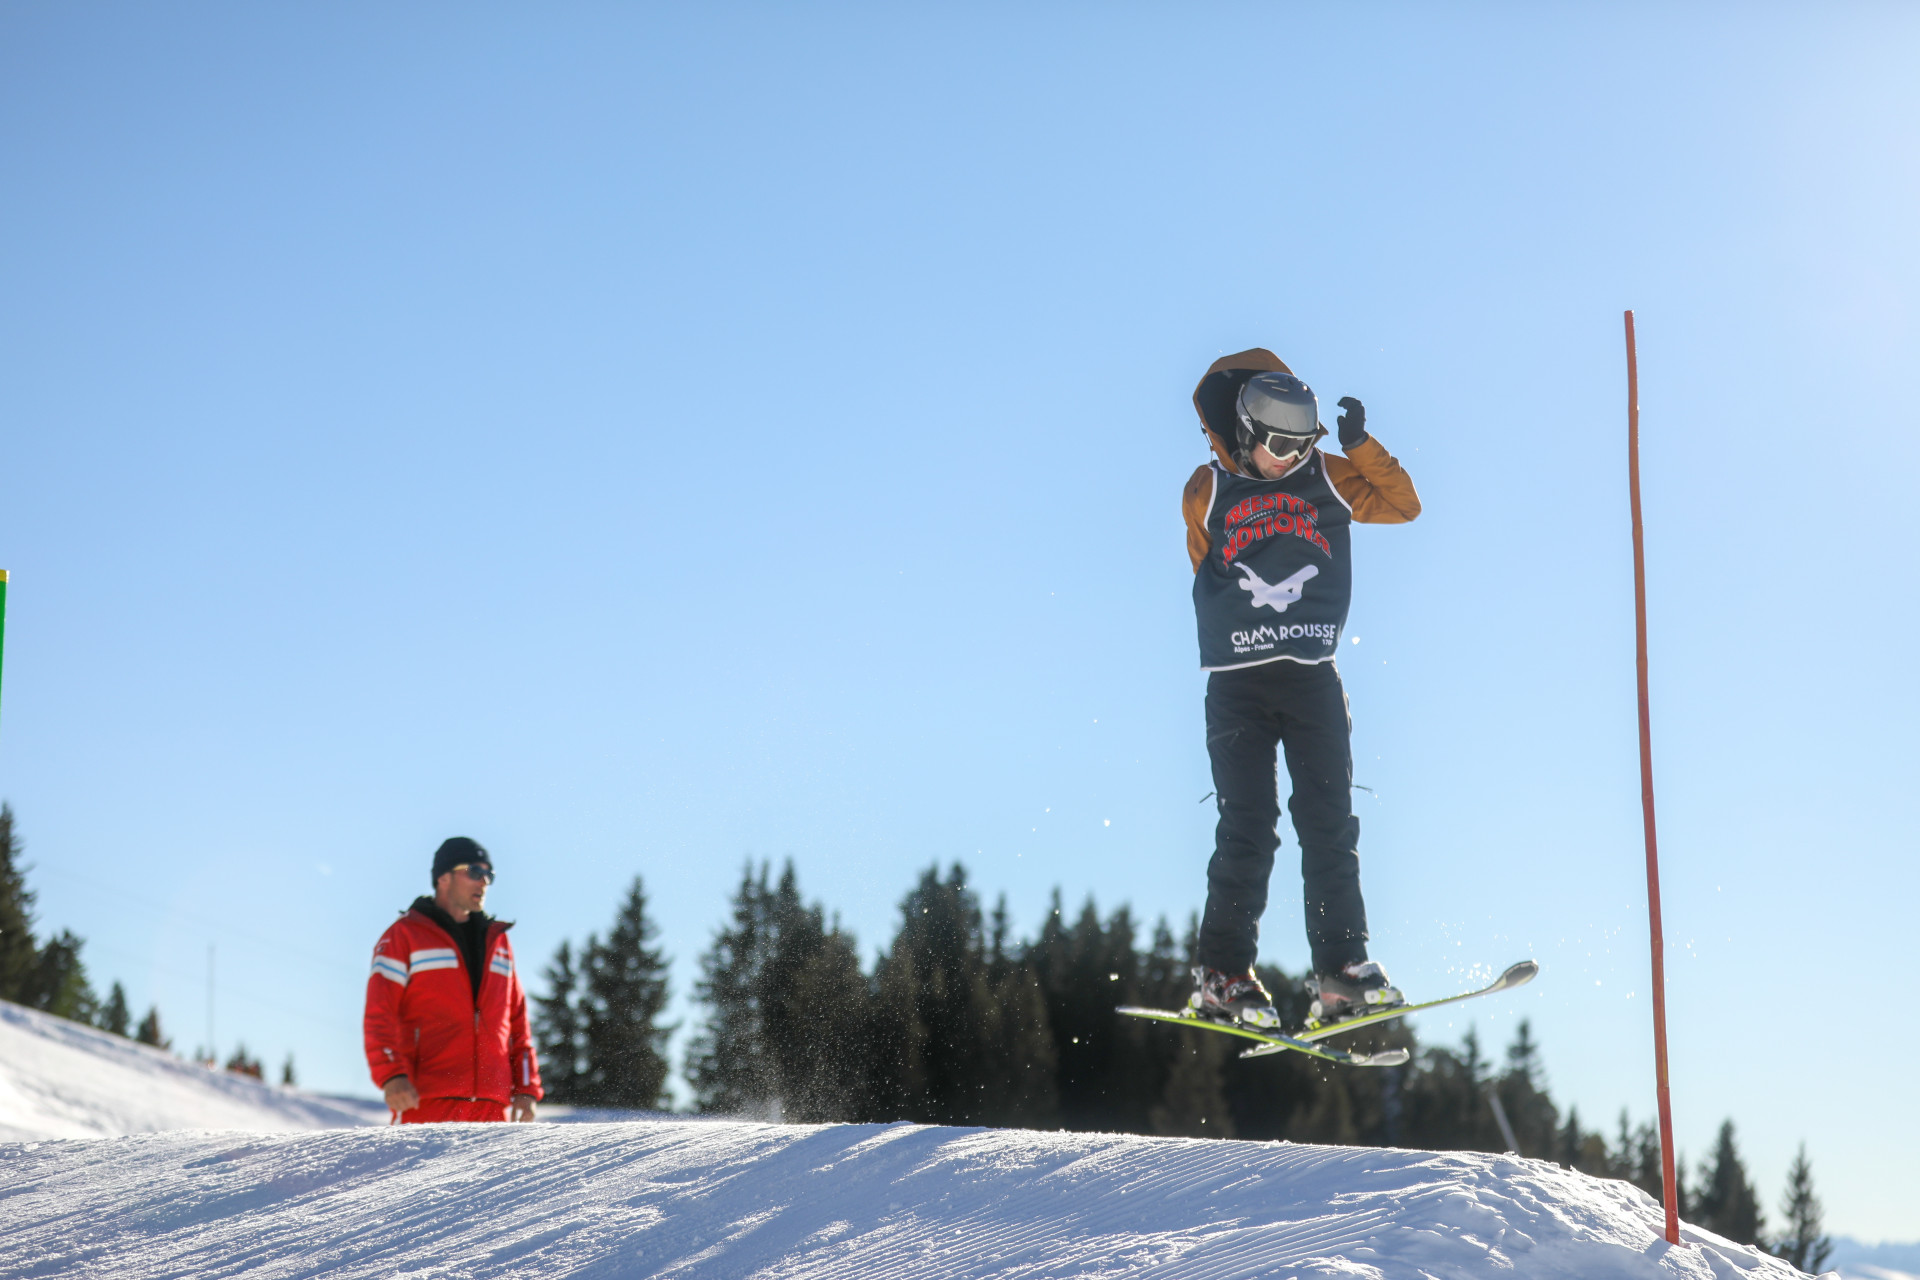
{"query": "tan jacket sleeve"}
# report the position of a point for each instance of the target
(1372, 481)
(1194, 502)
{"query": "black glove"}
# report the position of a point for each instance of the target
(1352, 423)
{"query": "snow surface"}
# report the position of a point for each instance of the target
(1888, 1260)
(59, 1079)
(304, 1186)
(691, 1198)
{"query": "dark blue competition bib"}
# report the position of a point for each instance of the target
(1278, 576)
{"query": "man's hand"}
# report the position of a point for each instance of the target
(522, 1108)
(1352, 423)
(401, 1095)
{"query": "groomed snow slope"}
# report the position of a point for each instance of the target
(306, 1187)
(59, 1079)
(705, 1199)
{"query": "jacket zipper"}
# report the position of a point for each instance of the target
(474, 1092)
(461, 953)
(485, 948)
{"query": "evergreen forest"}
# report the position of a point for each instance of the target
(957, 1021)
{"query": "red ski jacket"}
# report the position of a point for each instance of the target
(423, 1021)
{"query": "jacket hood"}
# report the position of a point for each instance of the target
(1214, 398)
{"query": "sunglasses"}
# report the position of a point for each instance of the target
(475, 871)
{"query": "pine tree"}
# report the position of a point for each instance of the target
(824, 1047)
(1635, 1157)
(1640, 1160)
(50, 977)
(1521, 1091)
(1644, 1166)
(59, 983)
(1183, 1081)
(1330, 1120)
(1593, 1154)
(1803, 1244)
(1620, 1157)
(1193, 1103)
(626, 990)
(1111, 1070)
(287, 1077)
(729, 1063)
(814, 1013)
(242, 1064)
(1566, 1143)
(1393, 1110)
(1727, 1203)
(1166, 975)
(115, 1016)
(150, 1032)
(787, 1027)
(1022, 1059)
(18, 954)
(558, 1028)
(1579, 1149)
(1445, 1103)
(925, 992)
(951, 1046)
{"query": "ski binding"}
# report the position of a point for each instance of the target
(1517, 975)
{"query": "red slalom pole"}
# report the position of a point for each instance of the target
(1667, 1181)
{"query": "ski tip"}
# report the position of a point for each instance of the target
(1518, 975)
(1389, 1058)
(1385, 1058)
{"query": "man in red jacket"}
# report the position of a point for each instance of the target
(446, 1026)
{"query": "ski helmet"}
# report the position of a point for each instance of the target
(1279, 411)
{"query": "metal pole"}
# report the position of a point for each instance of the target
(1667, 1181)
(1500, 1117)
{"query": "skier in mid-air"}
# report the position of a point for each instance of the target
(1268, 532)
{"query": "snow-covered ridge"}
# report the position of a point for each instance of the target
(299, 1185)
(687, 1198)
(59, 1079)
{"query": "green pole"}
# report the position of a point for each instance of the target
(3, 619)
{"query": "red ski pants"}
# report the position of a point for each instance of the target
(443, 1110)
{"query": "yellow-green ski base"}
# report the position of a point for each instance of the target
(1269, 1042)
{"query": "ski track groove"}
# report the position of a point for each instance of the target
(712, 1200)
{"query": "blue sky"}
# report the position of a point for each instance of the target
(645, 440)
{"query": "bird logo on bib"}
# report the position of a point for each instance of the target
(1278, 574)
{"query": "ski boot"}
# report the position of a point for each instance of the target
(1361, 987)
(1231, 997)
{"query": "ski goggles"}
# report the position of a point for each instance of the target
(473, 871)
(1284, 447)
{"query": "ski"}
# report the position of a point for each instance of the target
(1270, 1042)
(1516, 976)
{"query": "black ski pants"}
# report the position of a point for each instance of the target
(1300, 710)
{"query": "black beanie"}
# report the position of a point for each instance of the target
(456, 850)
